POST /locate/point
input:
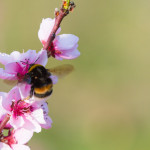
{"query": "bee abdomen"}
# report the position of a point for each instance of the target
(44, 91)
(48, 93)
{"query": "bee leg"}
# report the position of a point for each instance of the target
(31, 92)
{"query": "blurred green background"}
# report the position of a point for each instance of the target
(105, 103)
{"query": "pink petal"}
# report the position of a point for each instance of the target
(54, 79)
(31, 124)
(65, 42)
(13, 95)
(72, 54)
(15, 56)
(29, 56)
(38, 116)
(5, 75)
(39, 104)
(20, 147)
(13, 68)
(7, 101)
(23, 135)
(45, 29)
(48, 123)
(34, 98)
(44, 106)
(3, 95)
(16, 122)
(5, 58)
(4, 146)
(3, 112)
(24, 90)
(42, 58)
(58, 57)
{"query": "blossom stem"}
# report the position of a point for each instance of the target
(58, 19)
(4, 122)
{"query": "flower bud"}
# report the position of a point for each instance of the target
(66, 4)
(56, 12)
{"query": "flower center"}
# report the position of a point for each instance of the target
(9, 139)
(23, 67)
(20, 108)
(53, 51)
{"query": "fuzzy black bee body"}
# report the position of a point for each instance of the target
(39, 78)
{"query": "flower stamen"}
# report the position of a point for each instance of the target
(20, 108)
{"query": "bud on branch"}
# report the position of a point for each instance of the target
(66, 4)
(59, 15)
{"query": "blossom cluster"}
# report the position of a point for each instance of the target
(28, 114)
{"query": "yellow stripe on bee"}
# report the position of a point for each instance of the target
(34, 66)
(43, 89)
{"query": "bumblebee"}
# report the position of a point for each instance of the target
(40, 78)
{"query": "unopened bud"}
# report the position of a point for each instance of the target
(72, 6)
(66, 4)
(56, 12)
(72, 3)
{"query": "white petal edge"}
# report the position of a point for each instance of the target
(23, 135)
(4, 146)
(46, 27)
(65, 42)
(42, 58)
(20, 147)
(38, 115)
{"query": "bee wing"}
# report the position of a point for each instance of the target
(10, 82)
(62, 70)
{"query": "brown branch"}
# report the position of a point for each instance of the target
(4, 122)
(58, 19)
(51, 37)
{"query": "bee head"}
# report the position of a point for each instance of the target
(27, 78)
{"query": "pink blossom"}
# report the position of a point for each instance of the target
(64, 46)
(2, 110)
(29, 114)
(17, 64)
(16, 140)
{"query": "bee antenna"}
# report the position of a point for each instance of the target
(36, 60)
(23, 62)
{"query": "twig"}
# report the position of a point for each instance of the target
(58, 19)
(4, 122)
